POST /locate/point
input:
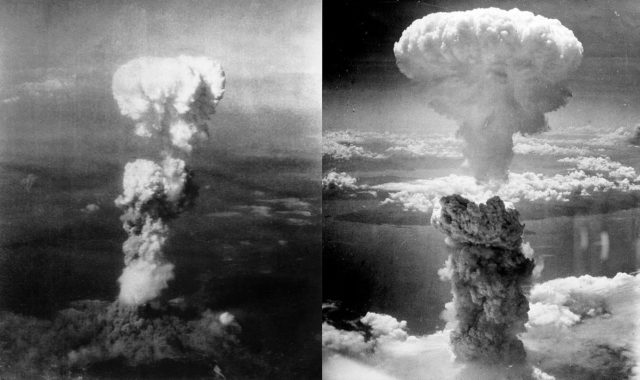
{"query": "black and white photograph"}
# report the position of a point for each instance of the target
(481, 189)
(160, 189)
(319, 189)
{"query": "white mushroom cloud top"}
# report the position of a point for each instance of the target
(169, 97)
(464, 43)
(495, 72)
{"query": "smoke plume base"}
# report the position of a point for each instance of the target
(91, 335)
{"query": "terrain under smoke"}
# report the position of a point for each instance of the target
(82, 338)
(170, 99)
(496, 72)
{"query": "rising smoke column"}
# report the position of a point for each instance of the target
(171, 100)
(495, 72)
(487, 269)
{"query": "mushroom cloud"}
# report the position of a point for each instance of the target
(495, 72)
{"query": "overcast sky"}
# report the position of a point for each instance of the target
(270, 49)
(253, 37)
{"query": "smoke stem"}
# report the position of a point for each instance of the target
(487, 270)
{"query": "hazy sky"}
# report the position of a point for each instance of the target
(57, 58)
(254, 37)
(84, 41)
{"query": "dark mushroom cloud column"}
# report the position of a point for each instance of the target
(487, 269)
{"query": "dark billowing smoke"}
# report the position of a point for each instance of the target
(496, 72)
(487, 270)
(94, 336)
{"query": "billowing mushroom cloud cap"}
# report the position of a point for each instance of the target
(492, 40)
(172, 98)
(496, 72)
(491, 224)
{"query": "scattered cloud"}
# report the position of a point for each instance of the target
(262, 211)
(592, 175)
(292, 211)
(349, 144)
(298, 222)
(291, 203)
(538, 146)
(224, 214)
(440, 146)
(345, 145)
(604, 166)
(48, 83)
(10, 100)
(90, 208)
(339, 151)
(334, 181)
(584, 321)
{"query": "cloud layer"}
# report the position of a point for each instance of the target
(592, 175)
(384, 146)
(578, 326)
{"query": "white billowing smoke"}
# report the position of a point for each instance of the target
(142, 281)
(152, 194)
(171, 99)
(496, 72)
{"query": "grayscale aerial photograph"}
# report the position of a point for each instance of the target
(160, 189)
(320, 189)
(480, 190)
